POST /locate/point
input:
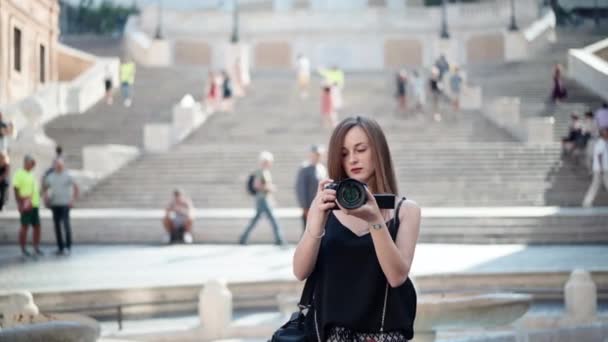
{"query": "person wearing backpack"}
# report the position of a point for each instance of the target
(260, 183)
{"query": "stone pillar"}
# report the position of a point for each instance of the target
(187, 115)
(516, 46)
(215, 309)
(17, 308)
(580, 295)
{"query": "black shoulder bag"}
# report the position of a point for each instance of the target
(295, 329)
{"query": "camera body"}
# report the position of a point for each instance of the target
(352, 194)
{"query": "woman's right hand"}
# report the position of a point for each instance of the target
(325, 198)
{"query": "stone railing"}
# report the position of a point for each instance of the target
(589, 69)
(60, 98)
(75, 96)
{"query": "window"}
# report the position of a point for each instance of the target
(17, 49)
(42, 64)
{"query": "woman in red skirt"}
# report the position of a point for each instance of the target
(212, 93)
(328, 114)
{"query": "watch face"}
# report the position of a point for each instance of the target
(377, 226)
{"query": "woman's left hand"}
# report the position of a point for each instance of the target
(369, 212)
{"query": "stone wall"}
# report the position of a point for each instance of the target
(356, 35)
(72, 63)
(37, 22)
(588, 68)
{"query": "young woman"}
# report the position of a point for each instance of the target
(360, 258)
(559, 92)
(328, 112)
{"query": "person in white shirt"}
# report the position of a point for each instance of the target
(600, 168)
(303, 69)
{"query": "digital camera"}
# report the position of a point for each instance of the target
(351, 194)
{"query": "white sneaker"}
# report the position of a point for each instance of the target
(188, 238)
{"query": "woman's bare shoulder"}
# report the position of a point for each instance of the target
(409, 208)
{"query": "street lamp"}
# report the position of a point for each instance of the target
(159, 21)
(234, 38)
(513, 24)
(444, 21)
(597, 14)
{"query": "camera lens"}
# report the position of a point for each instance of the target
(351, 194)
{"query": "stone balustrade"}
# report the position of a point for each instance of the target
(589, 69)
(21, 321)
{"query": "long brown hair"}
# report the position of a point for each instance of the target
(383, 179)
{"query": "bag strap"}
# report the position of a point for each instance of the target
(396, 217)
(396, 224)
(307, 292)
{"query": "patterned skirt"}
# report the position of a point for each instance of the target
(340, 334)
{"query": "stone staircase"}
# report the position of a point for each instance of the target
(531, 79)
(461, 161)
(155, 91)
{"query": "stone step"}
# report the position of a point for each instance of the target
(579, 226)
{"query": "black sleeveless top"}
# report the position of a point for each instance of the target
(350, 285)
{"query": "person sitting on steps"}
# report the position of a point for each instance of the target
(178, 218)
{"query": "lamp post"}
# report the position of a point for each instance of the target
(234, 38)
(513, 24)
(159, 21)
(444, 21)
(597, 14)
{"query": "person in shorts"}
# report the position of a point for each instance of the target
(27, 195)
(178, 218)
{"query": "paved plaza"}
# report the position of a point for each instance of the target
(126, 266)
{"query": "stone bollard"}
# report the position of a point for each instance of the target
(215, 309)
(580, 295)
(18, 308)
(187, 116)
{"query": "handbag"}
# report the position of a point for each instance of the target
(295, 328)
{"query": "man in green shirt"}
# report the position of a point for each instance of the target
(127, 79)
(27, 195)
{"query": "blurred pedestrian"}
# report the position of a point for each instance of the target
(308, 178)
(264, 187)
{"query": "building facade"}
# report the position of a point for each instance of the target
(354, 35)
(29, 32)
